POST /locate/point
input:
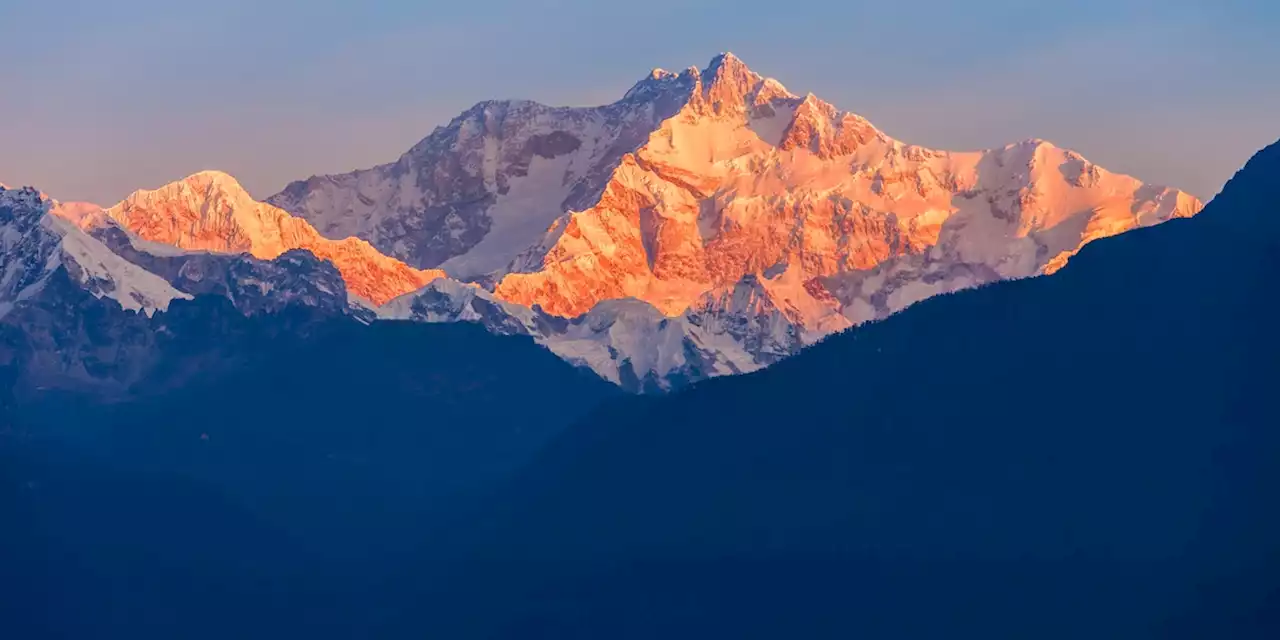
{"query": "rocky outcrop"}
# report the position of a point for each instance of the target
(254, 286)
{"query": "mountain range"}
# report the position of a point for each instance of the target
(708, 223)
(999, 394)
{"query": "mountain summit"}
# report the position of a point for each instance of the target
(210, 211)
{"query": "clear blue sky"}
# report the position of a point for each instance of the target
(98, 98)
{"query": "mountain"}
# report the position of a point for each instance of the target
(1092, 454)
(210, 211)
(708, 223)
(749, 213)
(748, 178)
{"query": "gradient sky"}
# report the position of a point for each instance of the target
(100, 98)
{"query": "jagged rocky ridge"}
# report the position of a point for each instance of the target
(210, 211)
(37, 246)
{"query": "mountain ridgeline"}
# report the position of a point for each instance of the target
(707, 223)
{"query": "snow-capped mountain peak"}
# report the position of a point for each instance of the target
(210, 211)
(727, 87)
(662, 82)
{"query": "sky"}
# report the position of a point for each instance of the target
(98, 99)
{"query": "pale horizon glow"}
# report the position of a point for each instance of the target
(102, 99)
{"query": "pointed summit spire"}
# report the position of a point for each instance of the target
(215, 181)
(727, 65)
(660, 82)
(728, 60)
(727, 86)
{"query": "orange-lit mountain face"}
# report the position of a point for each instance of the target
(717, 188)
(749, 180)
(210, 211)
